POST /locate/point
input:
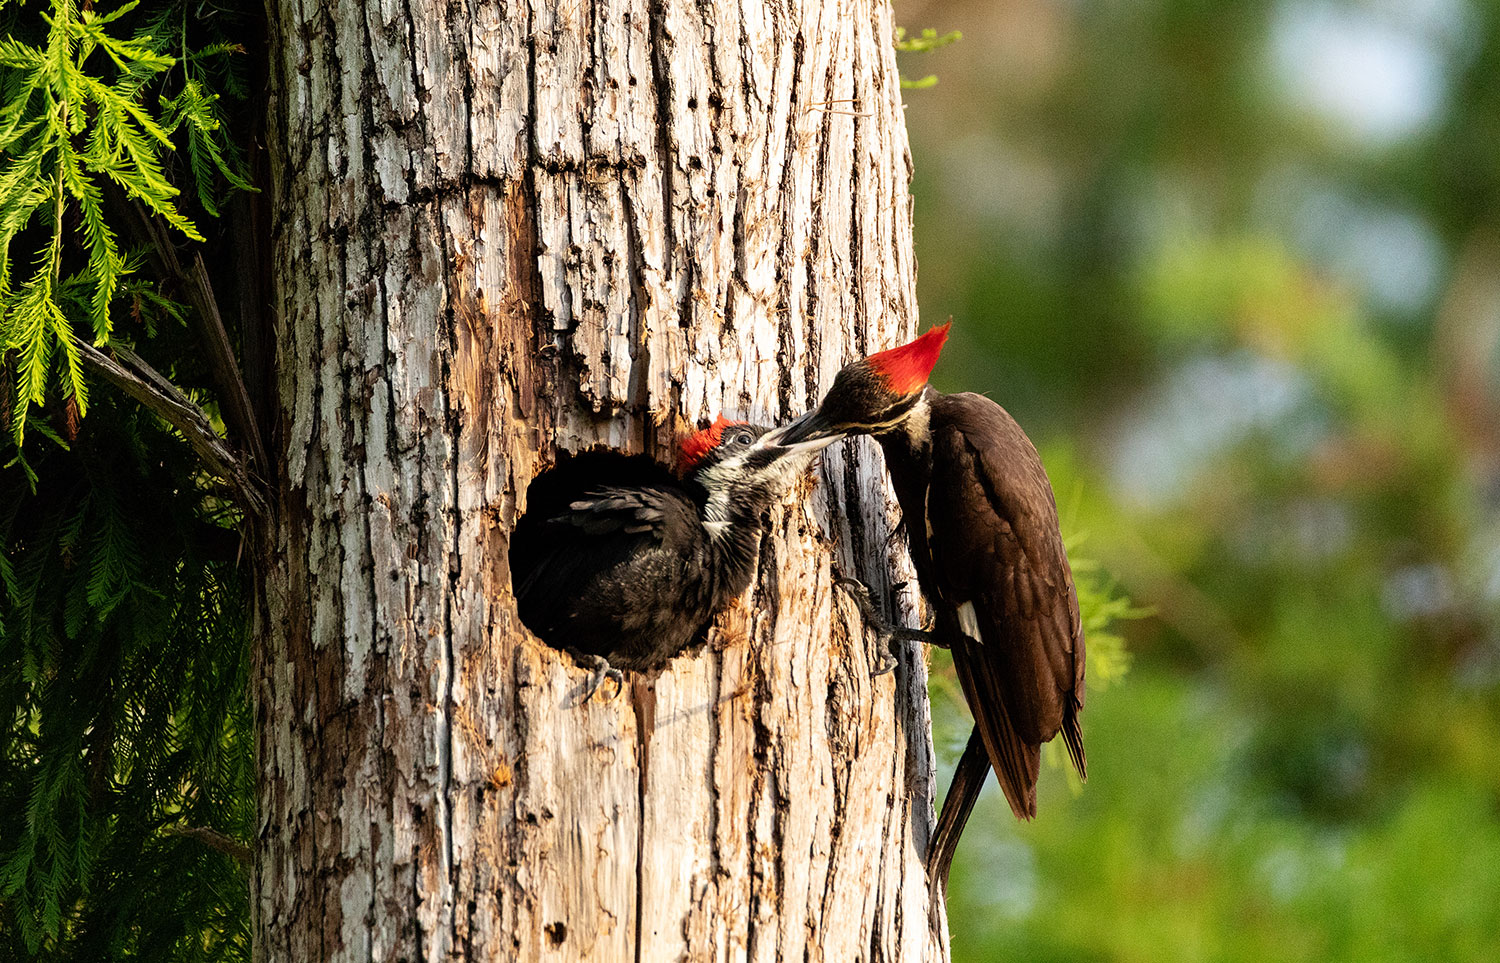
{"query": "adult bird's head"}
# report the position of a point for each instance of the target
(872, 394)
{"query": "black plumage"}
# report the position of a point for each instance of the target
(983, 532)
(982, 526)
(621, 562)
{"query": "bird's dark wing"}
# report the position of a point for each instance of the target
(602, 523)
(630, 511)
(996, 545)
(563, 553)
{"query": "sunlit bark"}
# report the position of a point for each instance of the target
(501, 231)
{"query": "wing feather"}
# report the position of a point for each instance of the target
(563, 547)
(633, 511)
(997, 545)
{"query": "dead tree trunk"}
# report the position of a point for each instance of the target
(501, 231)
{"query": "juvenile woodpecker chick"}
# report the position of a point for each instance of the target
(982, 526)
(623, 563)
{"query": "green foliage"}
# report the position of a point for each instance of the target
(1261, 347)
(197, 111)
(126, 759)
(927, 41)
(1190, 860)
(1102, 608)
(123, 666)
(75, 123)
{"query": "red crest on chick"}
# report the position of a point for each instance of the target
(695, 447)
(906, 368)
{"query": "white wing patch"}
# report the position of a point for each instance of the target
(969, 622)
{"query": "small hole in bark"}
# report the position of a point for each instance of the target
(692, 103)
(557, 932)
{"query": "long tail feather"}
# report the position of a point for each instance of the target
(1073, 737)
(1017, 763)
(968, 780)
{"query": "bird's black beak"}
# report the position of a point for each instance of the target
(809, 433)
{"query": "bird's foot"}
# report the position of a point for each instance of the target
(599, 670)
(887, 632)
(883, 627)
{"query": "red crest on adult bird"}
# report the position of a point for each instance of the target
(873, 393)
(907, 368)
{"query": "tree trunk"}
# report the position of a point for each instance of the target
(503, 231)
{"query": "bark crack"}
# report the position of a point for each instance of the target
(643, 703)
(860, 318)
(785, 255)
(454, 428)
(666, 149)
(635, 268)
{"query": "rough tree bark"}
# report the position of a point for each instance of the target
(501, 231)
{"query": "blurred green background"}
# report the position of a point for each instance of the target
(1236, 268)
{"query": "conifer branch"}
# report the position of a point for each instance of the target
(140, 381)
(208, 323)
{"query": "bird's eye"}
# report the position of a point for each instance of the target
(743, 438)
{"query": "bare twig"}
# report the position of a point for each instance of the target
(140, 381)
(193, 281)
(214, 839)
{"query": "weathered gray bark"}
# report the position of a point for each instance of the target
(505, 230)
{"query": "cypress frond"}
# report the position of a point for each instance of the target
(51, 98)
(123, 629)
(26, 330)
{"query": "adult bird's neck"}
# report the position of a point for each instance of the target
(908, 458)
(908, 443)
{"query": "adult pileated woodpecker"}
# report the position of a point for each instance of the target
(982, 526)
(623, 564)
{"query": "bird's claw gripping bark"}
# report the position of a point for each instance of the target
(888, 633)
(599, 670)
(888, 663)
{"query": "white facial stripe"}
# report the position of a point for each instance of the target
(909, 419)
(725, 477)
